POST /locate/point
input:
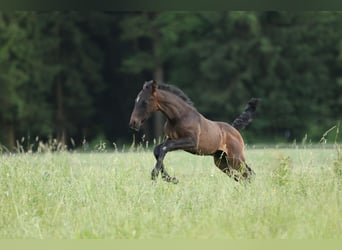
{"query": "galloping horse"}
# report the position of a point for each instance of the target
(188, 130)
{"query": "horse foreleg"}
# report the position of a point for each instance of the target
(160, 152)
(165, 175)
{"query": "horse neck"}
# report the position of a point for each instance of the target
(171, 105)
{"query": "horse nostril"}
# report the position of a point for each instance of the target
(134, 125)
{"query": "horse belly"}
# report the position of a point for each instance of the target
(207, 147)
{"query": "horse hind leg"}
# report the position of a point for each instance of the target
(243, 171)
(248, 173)
(221, 161)
(236, 169)
(249, 170)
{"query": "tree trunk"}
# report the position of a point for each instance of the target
(7, 135)
(11, 137)
(158, 75)
(158, 119)
(60, 121)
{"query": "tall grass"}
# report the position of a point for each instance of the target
(296, 194)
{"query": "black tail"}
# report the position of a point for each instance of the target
(247, 116)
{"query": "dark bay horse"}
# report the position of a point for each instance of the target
(188, 130)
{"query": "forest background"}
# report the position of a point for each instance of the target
(73, 76)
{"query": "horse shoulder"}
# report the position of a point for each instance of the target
(187, 126)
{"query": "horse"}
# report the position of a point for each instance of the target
(186, 129)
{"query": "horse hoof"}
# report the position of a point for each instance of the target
(154, 175)
(174, 180)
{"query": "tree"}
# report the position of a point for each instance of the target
(19, 62)
(303, 75)
(153, 38)
(72, 74)
(73, 64)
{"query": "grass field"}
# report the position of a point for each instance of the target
(296, 195)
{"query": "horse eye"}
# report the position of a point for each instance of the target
(144, 103)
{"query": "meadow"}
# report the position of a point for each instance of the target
(296, 194)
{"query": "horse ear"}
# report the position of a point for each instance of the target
(154, 86)
(145, 85)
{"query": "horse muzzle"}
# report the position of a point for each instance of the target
(135, 124)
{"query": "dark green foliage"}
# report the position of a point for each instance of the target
(75, 75)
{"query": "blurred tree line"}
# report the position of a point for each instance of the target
(75, 75)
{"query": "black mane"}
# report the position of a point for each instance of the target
(174, 90)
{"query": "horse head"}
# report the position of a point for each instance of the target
(145, 105)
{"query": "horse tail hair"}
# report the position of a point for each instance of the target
(247, 116)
